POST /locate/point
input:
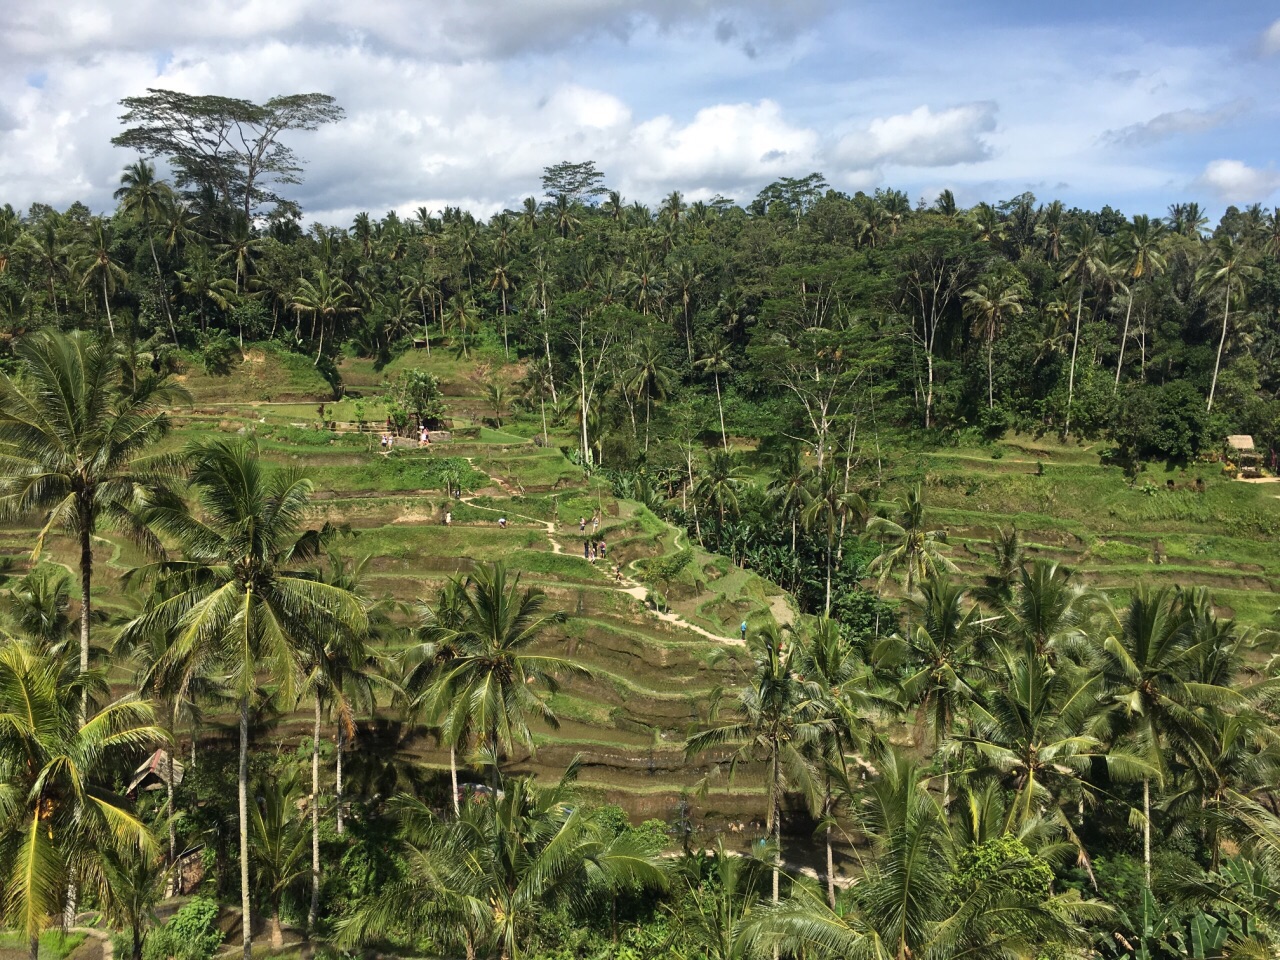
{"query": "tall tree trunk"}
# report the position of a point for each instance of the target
(1146, 830)
(724, 440)
(542, 402)
(426, 330)
(505, 349)
(173, 830)
(106, 302)
(164, 293)
(277, 932)
(546, 343)
(928, 397)
(1222, 340)
(991, 390)
(242, 788)
(453, 778)
(831, 859)
(1124, 339)
(313, 913)
(1071, 377)
(320, 349)
(337, 783)
(86, 600)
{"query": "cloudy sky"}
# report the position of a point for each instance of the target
(465, 101)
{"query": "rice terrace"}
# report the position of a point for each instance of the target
(667, 552)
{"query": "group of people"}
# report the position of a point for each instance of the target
(593, 550)
(595, 524)
(389, 437)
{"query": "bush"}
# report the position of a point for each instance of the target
(191, 934)
(217, 353)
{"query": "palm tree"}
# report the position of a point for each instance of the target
(1229, 270)
(483, 677)
(715, 361)
(1084, 247)
(58, 812)
(43, 244)
(1146, 669)
(501, 281)
(938, 660)
(129, 887)
(72, 447)
(324, 301)
(484, 877)
(649, 375)
(914, 902)
(463, 318)
(828, 505)
(1033, 733)
(147, 199)
(423, 285)
(1047, 610)
(907, 544)
(236, 598)
(684, 279)
(988, 304)
(278, 844)
(723, 897)
(780, 717)
(1140, 243)
(789, 488)
(718, 487)
(537, 383)
(96, 265)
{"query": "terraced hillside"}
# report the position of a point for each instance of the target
(654, 676)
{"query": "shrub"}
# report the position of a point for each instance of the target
(191, 934)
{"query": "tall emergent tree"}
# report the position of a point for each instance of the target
(229, 145)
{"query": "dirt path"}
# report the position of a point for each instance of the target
(630, 587)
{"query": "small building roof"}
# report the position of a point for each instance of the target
(156, 766)
(1240, 441)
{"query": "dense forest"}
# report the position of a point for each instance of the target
(1020, 767)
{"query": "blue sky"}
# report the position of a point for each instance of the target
(464, 101)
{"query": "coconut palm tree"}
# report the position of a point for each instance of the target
(484, 877)
(1048, 611)
(1085, 264)
(58, 809)
(779, 718)
(1037, 732)
(828, 507)
(96, 265)
(938, 660)
(715, 360)
(908, 545)
(130, 885)
(914, 902)
(237, 597)
(324, 300)
(988, 303)
(649, 375)
(45, 246)
(277, 844)
(1228, 272)
(73, 448)
(1142, 259)
(719, 486)
(1147, 666)
(144, 197)
(484, 671)
(724, 894)
(500, 280)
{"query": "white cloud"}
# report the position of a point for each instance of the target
(922, 138)
(1175, 123)
(1235, 182)
(1271, 39)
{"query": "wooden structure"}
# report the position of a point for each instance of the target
(154, 773)
(1241, 451)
